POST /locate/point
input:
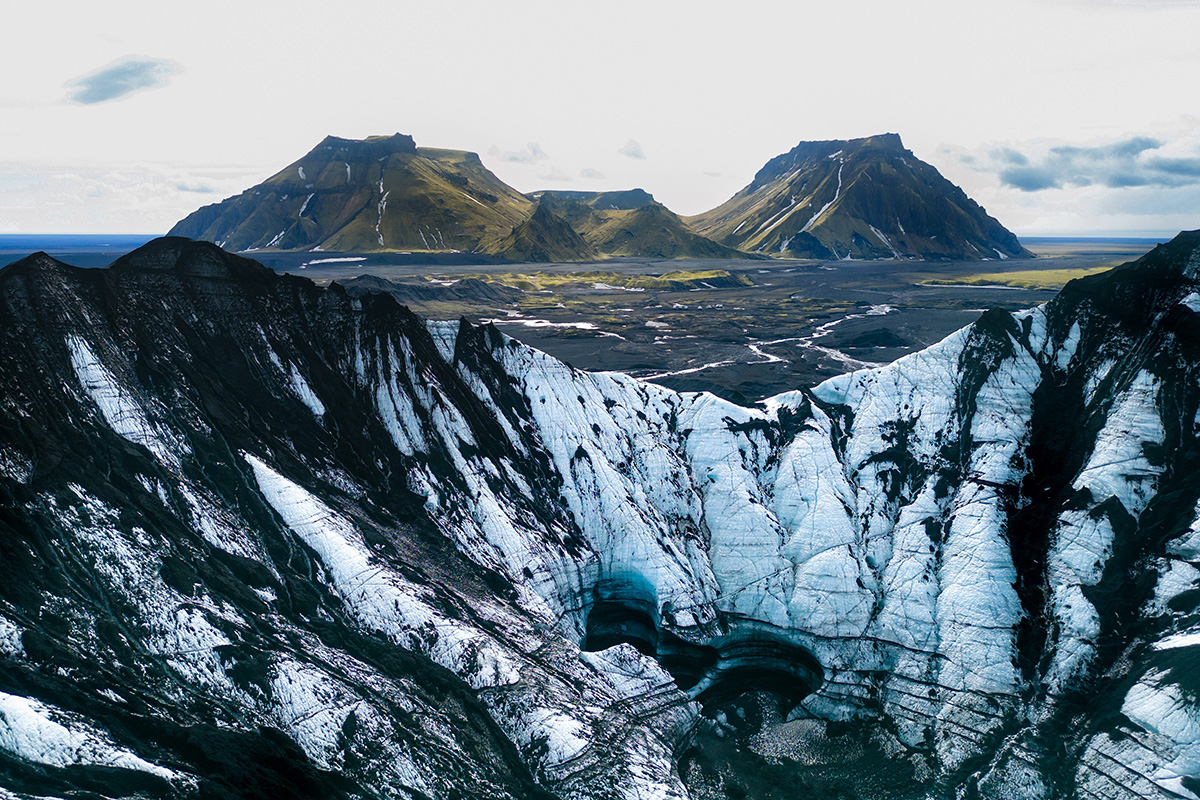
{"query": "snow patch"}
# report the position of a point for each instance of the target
(1186, 639)
(35, 732)
(10, 639)
(886, 241)
(15, 465)
(347, 259)
(378, 596)
(303, 391)
(824, 208)
(117, 406)
(1118, 466)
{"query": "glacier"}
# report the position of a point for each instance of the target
(405, 557)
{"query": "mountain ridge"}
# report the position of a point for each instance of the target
(394, 195)
(398, 196)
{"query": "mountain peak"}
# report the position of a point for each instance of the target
(620, 200)
(356, 195)
(544, 236)
(890, 141)
(372, 145)
(1181, 254)
(187, 258)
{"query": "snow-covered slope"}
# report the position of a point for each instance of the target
(264, 537)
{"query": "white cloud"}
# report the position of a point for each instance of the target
(531, 154)
(591, 174)
(554, 174)
(134, 198)
(631, 149)
(1139, 183)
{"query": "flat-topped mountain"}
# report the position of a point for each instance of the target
(379, 193)
(861, 198)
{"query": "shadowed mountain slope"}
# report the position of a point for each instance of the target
(862, 198)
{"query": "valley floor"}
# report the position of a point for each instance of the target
(795, 324)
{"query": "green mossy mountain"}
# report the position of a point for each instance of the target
(861, 198)
(375, 194)
(384, 193)
(543, 237)
(651, 231)
(606, 201)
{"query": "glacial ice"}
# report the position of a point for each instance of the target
(865, 521)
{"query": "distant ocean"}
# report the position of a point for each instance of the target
(1129, 240)
(79, 249)
(100, 250)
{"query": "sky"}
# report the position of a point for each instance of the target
(1061, 117)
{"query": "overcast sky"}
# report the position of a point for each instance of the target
(1059, 116)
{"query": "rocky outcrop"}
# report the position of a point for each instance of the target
(371, 555)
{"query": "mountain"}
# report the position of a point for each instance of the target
(608, 201)
(385, 193)
(379, 193)
(864, 198)
(861, 198)
(631, 223)
(262, 538)
(650, 230)
(544, 236)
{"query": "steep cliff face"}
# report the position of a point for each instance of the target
(859, 198)
(263, 537)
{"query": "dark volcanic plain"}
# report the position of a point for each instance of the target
(742, 330)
